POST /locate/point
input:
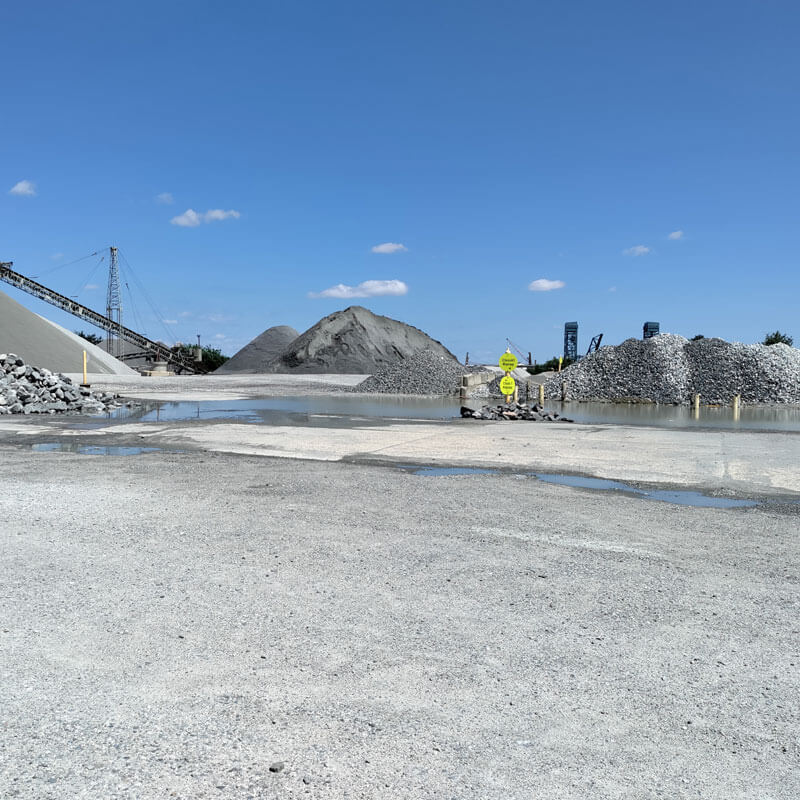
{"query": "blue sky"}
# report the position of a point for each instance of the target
(643, 155)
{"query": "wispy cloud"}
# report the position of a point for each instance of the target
(23, 189)
(545, 285)
(220, 336)
(165, 199)
(612, 289)
(191, 218)
(170, 321)
(365, 289)
(57, 256)
(185, 314)
(91, 286)
(676, 235)
(390, 247)
(636, 250)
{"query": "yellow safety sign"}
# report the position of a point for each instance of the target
(507, 385)
(508, 362)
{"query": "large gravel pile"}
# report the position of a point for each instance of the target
(423, 373)
(256, 356)
(354, 341)
(34, 390)
(670, 369)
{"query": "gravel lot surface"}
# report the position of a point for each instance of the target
(221, 626)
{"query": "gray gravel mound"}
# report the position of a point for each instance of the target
(25, 389)
(257, 355)
(670, 369)
(355, 341)
(39, 341)
(424, 373)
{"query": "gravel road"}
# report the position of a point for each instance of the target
(220, 626)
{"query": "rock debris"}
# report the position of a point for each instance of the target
(25, 389)
(670, 369)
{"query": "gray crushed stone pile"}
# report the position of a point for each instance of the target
(354, 341)
(514, 411)
(25, 389)
(424, 373)
(256, 356)
(670, 369)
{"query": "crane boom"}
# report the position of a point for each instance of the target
(159, 351)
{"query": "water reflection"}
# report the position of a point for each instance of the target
(345, 409)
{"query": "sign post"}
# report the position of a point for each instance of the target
(508, 363)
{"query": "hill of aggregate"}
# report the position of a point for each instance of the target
(38, 341)
(670, 369)
(355, 341)
(256, 355)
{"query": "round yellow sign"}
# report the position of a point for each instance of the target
(508, 362)
(508, 384)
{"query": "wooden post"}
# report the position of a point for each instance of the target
(85, 382)
(563, 390)
(695, 405)
(541, 394)
(736, 401)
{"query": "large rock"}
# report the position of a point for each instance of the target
(355, 341)
(256, 356)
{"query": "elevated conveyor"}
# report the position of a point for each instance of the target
(155, 350)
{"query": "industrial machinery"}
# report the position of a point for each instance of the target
(595, 343)
(111, 322)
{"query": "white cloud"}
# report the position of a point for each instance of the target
(91, 286)
(191, 218)
(545, 285)
(185, 314)
(613, 289)
(57, 256)
(165, 198)
(170, 321)
(676, 235)
(220, 336)
(23, 189)
(390, 247)
(365, 289)
(217, 214)
(636, 250)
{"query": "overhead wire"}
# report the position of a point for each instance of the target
(159, 316)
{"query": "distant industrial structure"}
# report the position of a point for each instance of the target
(649, 330)
(570, 341)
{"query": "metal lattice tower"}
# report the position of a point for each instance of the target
(114, 308)
(570, 341)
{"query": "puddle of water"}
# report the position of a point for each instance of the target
(91, 449)
(435, 472)
(322, 410)
(682, 498)
(340, 410)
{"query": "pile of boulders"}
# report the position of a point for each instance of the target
(514, 411)
(424, 373)
(25, 389)
(670, 369)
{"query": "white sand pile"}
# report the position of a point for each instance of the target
(38, 341)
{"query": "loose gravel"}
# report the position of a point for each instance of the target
(424, 373)
(670, 369)
(25, 389)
